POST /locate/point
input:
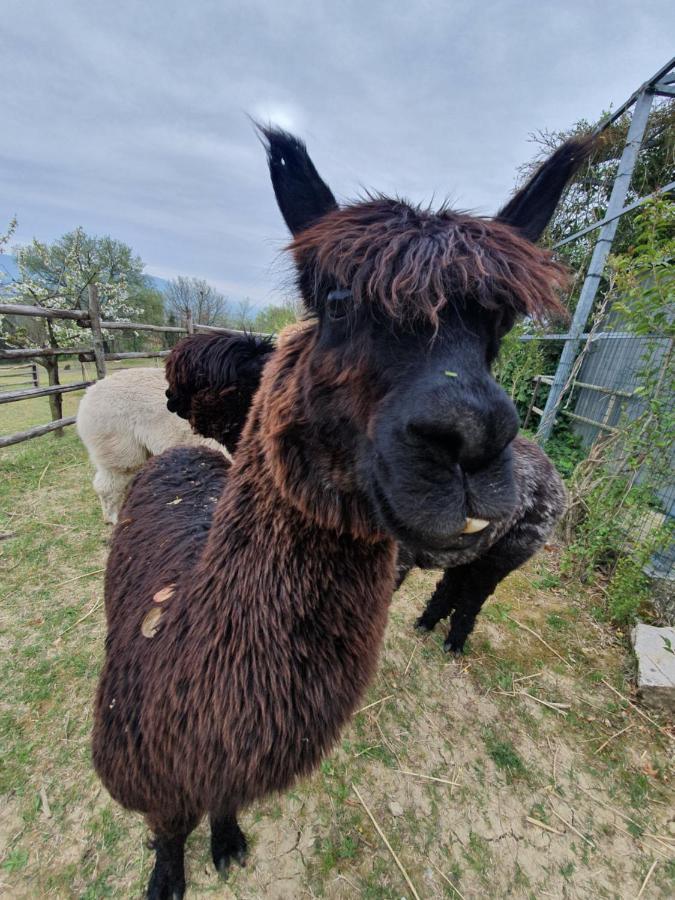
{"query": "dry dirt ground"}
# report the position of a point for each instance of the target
(517, 771)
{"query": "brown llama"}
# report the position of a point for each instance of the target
(246, 604)
(213, 380)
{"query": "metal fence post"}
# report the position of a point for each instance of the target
(596, 267)
(96, 332)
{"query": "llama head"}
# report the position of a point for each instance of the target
(212, 379)
(384, 410)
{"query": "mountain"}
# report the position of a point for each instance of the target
(9, 271)
(159, 284)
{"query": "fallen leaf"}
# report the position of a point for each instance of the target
(150, 623)
(164, 594)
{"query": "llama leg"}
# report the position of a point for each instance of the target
(405, 561)
(167, 881)
(464, 618)
(477, 581)
(441, 603)
(227, 843)
(110, 485)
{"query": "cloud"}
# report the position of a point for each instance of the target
(131, 119)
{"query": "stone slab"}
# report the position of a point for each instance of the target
(655, 651)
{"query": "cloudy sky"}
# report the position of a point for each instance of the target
(129, 118)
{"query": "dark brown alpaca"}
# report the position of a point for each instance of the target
(216, 380)
(246, 605)
(212, 379)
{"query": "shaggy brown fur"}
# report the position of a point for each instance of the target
(212, 379)
(256, 663)
(412, 262)
(471, 573)
(241, 638)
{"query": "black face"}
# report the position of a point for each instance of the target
(434, 449)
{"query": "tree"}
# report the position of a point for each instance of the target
(5, 238)
(243, 318)
(272, 319)
(58, 275)
(207, 305)
(150, 304)
(585, 200)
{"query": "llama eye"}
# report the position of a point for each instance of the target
(337, 304)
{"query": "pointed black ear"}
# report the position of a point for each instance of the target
(301, 193)
(532, 207)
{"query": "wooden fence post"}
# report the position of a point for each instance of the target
(96, 332)
(34, 374)
(189, 327)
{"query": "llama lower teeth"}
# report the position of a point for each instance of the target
(471, 526)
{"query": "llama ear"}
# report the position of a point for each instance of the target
(301, 193)
(532, 207)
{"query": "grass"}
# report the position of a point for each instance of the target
(463, 721)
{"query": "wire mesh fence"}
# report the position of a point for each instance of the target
(606, 387)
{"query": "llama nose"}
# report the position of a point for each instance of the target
(468, 433)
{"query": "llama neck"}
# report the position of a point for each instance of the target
(293, 615)
(293, 563)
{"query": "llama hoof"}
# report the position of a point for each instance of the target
(422, 627)
(230, 848)
(223, 864)
(453, 649)
(163, 887)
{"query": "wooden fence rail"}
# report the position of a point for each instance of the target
(95, 352)
(21, 375)
(19, 436)
(42, 312)
(29, 393)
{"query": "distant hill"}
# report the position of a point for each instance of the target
(160, 284)
(9, 271)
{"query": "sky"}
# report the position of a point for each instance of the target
(131, 119)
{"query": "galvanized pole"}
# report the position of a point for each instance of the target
(601, 250)
(96, 333)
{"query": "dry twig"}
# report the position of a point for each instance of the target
(374, 703)
(45, 803)
(44, 472)
(647, 877)
(410, 660)
(540, 638)
(430, 778)
(52, 587)
(543, 825)
(611, 738)
(639, 711)
(572, 828)
(81, 619)
(386, 843)
(445, 878)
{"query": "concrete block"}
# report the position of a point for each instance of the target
(655, 651)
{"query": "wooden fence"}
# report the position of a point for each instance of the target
(21, 376)
(91, 321)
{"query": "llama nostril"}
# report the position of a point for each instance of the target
(446, 440)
